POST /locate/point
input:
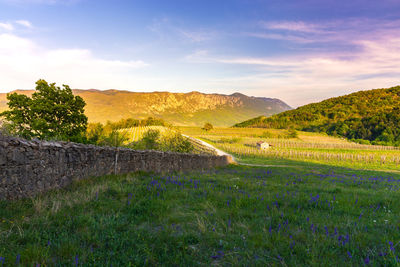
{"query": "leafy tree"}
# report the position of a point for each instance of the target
(51, 112)
(94, 132)
(151, 139)
(114, 138)
(208, 126)
(292, 133)
(177, 143)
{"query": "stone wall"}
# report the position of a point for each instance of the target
(30, 167)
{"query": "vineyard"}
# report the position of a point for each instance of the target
(136, 133)
(309, 147)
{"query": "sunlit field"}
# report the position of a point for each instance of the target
(307, 147)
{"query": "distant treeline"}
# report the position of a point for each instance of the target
(371, 116)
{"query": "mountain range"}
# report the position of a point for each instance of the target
(191, 109)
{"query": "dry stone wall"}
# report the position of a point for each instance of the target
(30, 167)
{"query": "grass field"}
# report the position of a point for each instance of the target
(309, 214)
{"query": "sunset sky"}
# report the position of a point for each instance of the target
(299, 51)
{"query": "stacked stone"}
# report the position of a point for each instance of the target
(30, 167)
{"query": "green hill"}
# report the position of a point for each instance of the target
(191, 109)
(372, 115)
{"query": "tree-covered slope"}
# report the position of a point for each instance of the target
(372, 115)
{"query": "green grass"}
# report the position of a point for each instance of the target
(237, 215)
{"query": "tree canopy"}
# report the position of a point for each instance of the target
(51, 113)
(208, 126)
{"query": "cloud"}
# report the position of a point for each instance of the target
(24, 23)
(168, 30)
(23, 62)
(336, 32)
(297, 26)
(6, 26)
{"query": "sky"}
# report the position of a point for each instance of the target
(299, 51)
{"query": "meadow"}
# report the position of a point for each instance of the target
(306, 214)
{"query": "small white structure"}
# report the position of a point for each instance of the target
(262, 145)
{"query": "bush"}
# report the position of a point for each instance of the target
(266, 134)
(233, 140)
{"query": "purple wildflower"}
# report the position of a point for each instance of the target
(391, 246)
(219, 255)
(366, 260)
(18, 259)
(349, 254)
(76, 260)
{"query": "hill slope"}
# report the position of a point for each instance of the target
(192, 108)
(372, 115)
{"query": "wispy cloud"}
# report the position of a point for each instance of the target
(24, 23)
(335, 32)
(297, 26)
(6, 26)
(168, 29)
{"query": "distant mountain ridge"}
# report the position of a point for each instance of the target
(193, 109)
(372, 115)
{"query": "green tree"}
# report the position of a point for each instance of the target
(114, 138)
(51, 113)
(151, 139)
(94, 132)
(177, 143)
(208, 126)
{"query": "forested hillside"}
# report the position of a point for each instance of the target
(371, 116)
